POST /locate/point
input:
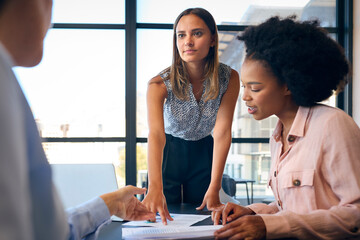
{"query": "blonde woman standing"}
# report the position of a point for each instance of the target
(190, 111)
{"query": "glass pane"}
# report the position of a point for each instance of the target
(89, 11)
(141, 164)
(78, 90)
(89, 153)
(250, 161)
(246, 161)
(154, 53)
(232, 52)
(244, 12)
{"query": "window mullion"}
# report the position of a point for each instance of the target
(130, 90)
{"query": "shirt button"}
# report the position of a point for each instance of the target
(291, 138)
(274, 173)
(296, 182)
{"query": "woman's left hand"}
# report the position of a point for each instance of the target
(211, 200)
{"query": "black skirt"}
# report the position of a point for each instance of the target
(186, 169)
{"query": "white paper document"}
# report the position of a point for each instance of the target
(116, 219)
(169, 232)
(180, 220)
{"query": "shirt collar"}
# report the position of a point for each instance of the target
(298, 126)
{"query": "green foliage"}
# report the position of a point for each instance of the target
(141, 163)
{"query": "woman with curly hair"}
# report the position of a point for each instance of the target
(289, 68)
(190, 111)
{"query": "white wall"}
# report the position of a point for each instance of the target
(356, 63)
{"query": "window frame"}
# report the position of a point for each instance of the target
(343, 31)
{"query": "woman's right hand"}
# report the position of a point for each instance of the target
(229, 212)
(155, 201)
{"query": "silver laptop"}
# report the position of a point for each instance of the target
(77, 183)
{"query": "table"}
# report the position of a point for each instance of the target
(246, 181)
(113, 230)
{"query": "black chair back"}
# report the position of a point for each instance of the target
(229, 185)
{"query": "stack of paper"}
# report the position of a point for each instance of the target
(179, 228)
(180, 220)
(169, 232)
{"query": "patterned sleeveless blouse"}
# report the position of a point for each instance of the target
(192, 120)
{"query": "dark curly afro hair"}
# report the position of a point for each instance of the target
(299, 54)
(2, 4)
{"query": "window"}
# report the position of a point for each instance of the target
(89, 11)
(88, 95)
(249, 156)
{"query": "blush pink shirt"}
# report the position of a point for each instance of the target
(316, 182)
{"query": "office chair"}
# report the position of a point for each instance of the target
(228, 190)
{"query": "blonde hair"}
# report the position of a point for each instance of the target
(179, 78)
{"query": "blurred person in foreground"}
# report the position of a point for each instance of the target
(30, 207)
(289, 69)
